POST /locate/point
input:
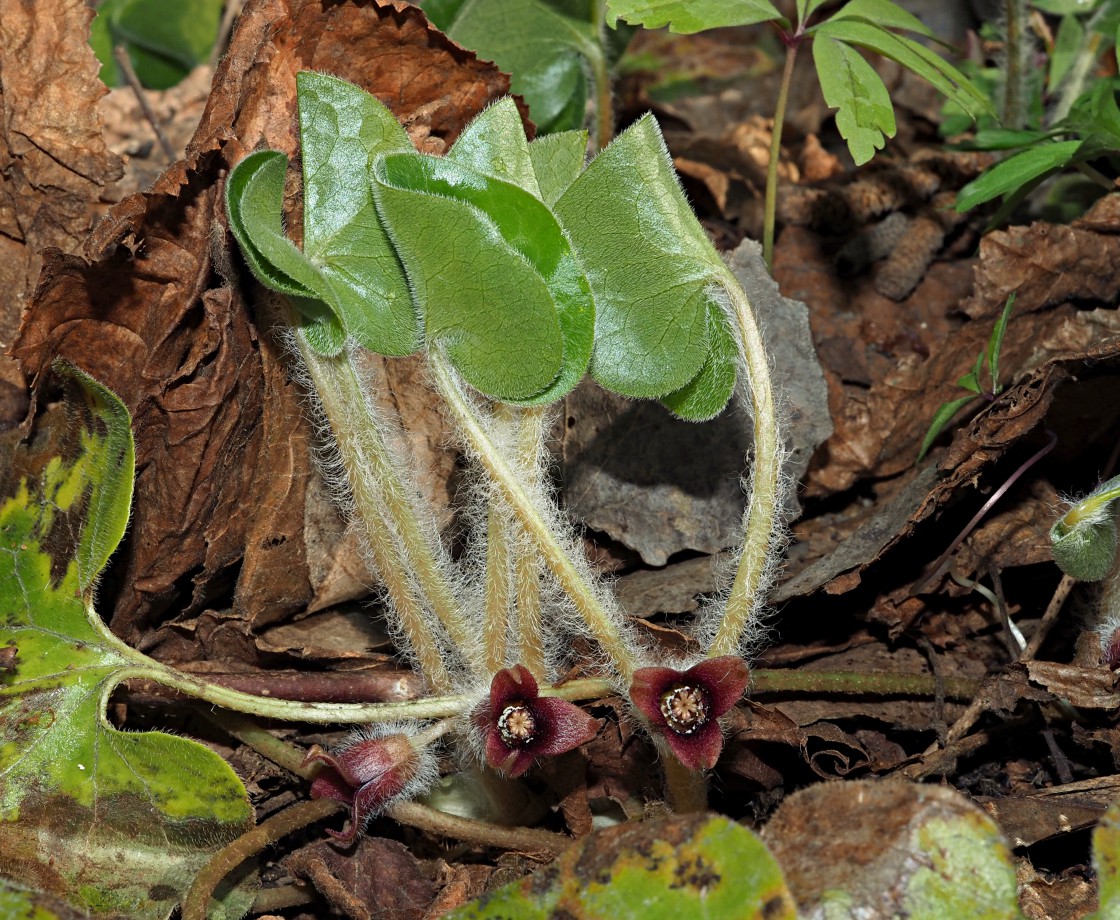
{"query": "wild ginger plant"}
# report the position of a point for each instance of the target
(514, 270)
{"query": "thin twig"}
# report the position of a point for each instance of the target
(229, 14)
(120, 55)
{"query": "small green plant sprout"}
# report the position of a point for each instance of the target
(1053, 118)
(865, 114)
(514, 270)
(1084, 538)
(971, 381)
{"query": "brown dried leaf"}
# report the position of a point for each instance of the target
(158, 316)
(53, 160)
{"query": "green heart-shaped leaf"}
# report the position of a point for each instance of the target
(119, 821)
(494, 275)
(341, 128)
(705, 396)
(494, 144)
(649, 263)
(255, 205)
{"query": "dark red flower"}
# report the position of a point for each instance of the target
(519, 725)
(685, 706)
(364, 774)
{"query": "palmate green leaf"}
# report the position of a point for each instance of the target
(1015, 172)
(865, 116)
(649, 262)
(687, 16)
(497, 281)
(912, 55)
(341, 128)
(547, 46)
(116, 822)
(255, 206)
(806, 8)
(669, 869)
(883, 13)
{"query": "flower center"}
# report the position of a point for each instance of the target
(685, 708)
(517, 725)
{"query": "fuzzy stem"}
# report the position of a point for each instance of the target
(383, 509)
(770, 207)
(498, 593)
(572, 581)
(527, 574)
(762, 520)
(248, 845)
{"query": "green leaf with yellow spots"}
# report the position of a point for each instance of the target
(116, 823)
(694, 866)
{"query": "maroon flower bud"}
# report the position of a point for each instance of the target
(365, 774)
(519, 725)
(685, 706)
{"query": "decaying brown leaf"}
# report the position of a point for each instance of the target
(54, 163)
(156, 312)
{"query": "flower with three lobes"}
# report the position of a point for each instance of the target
(366, 774)
(519, 725)
(685, 706)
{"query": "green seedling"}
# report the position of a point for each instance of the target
(865, 114)
(1054, 118)
(971, 381)
(514, 270)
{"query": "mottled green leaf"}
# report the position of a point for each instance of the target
(341, 128)
(558, 160)
(686, 16)
(497, 282)
(1015, 172)
(1106, 860)
(650, 264)
(671, 869)
(115, 822)
(865, 116)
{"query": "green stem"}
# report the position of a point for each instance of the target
(383, 509)
(574, 580)
(762, 521)
(601, 77)
(686, 791)
(766, 682)
(770, 210)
